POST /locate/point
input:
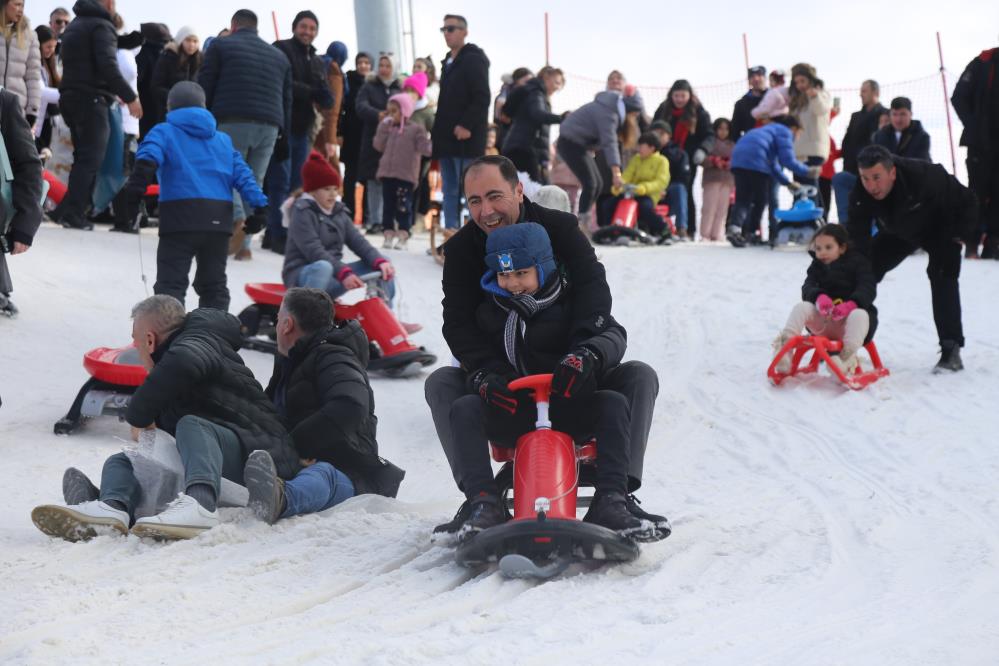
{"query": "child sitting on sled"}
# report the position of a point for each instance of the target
(526, 319)
(837, 299)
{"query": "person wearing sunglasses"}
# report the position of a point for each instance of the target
(58, 20)
(461, 124)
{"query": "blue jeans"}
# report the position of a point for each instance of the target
(316, 488)
(319, 275)
(842, 184)
(676, 199)
(451, 170)
(284, 177)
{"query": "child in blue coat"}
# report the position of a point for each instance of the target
(197, 169)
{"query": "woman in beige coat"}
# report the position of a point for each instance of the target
(810, 104)
(20, 61)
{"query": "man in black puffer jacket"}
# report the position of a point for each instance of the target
(199, 391)
(527, 142)
(320, 387)
(91, 82)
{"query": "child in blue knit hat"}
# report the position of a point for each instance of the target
(528, 322)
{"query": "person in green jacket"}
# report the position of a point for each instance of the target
(646, 177)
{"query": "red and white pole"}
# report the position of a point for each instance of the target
(274, 21)
(547, 43)
(745, 50)
(950, 126)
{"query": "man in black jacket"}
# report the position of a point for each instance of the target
(320, 387)
(308, 87)
(976, 100)
(197, 390)
(459, 132)
(904, 136)
(496, 199)
(742, 119)
(91, 82)
(914, 204)
(859, 133)
(21, 216)
(247, 85)
(155, 37)
(527, 142)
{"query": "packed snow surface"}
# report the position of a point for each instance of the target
(812, 524)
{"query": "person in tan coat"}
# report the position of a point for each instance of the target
(326, 141)
(810, 103)
(20, 59)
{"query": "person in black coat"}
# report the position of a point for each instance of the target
(155, 37)
(179, 61)
(742, 119)
(976, 101)
(21, 216)
(462, 120)
(199, 391)
(351, 129)
(859, 133)
(527, 143)
(320, 387)
(91, 83)
(370, 107)
(495, 199)
(904, 136)
(915, 204)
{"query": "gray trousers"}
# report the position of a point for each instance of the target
(255, 142)
(635, 380)
(208, 452)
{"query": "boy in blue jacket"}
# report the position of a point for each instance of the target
(197, 169)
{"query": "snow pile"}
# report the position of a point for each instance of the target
(811, 524)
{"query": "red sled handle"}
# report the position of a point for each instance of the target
(539, 385)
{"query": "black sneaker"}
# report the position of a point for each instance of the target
(950, 357)
(266, 489)
(736, 239)
(484, 511)
(79, 224)
(661, 522)
(610, 510)
(446, 532)
(7, 306)
(124, 228)
(77, 488)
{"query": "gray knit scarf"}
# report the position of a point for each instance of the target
(520, 308)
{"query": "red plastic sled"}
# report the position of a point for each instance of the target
(821, 347)
(57, 189)
(115, 373)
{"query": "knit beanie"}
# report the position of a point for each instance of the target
(185, 32)
(318, 173)
(417, 83)
(519, 246)
(337, 52)
(306, 14)
(185, 94)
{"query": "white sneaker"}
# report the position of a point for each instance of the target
(784, 364)
(183, 518)
(389, 242)
(80, 522)
(401, 238)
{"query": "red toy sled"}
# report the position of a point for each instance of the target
(391, 353)
(544, 537)
(114, 376)
(57, 189)
(821, 348)
(623, 227)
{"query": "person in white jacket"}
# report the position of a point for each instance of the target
(19, 58)
(810, 103)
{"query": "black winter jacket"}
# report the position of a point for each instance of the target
(701, 132)
(532, 115)
(926, 206)
(465, 264)
(199, 372)
(679, 163)
(245, 78)
(976, 100)
(859, 134)
(351, 126)
(308, 84)
(372, 100)
(323, 391)
(464, 100)
(849, 278)
(914, 142)
(21, 223)
(155, 38)
(90, 55)
(168, 73)
(742, 119)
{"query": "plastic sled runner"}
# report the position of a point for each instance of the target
(544, 536)
(391, 352)
(821, 348)
(114, 376)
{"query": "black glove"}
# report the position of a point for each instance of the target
(31, 118)
(494, 390)
(256, 222)
(575, 374)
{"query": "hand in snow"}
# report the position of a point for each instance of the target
(824, 304)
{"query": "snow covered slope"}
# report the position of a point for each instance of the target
(812, 525)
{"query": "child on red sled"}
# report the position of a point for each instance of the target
(837, 299)
(527, 319)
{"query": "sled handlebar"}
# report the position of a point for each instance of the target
(539, 385)
(368, 277)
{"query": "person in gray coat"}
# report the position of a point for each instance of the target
(594, 126)
(20, 59)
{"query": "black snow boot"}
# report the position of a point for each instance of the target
(446, 531)
(266, 488)
(950, 357)
(661, 522)
(7, 306)
(485, 511)
(77, 488)
(610, 510)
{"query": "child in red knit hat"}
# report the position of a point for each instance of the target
(319, 227)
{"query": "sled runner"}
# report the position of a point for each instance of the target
(114, 376)
(821, 347)
(544, 536)
(391, 352)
